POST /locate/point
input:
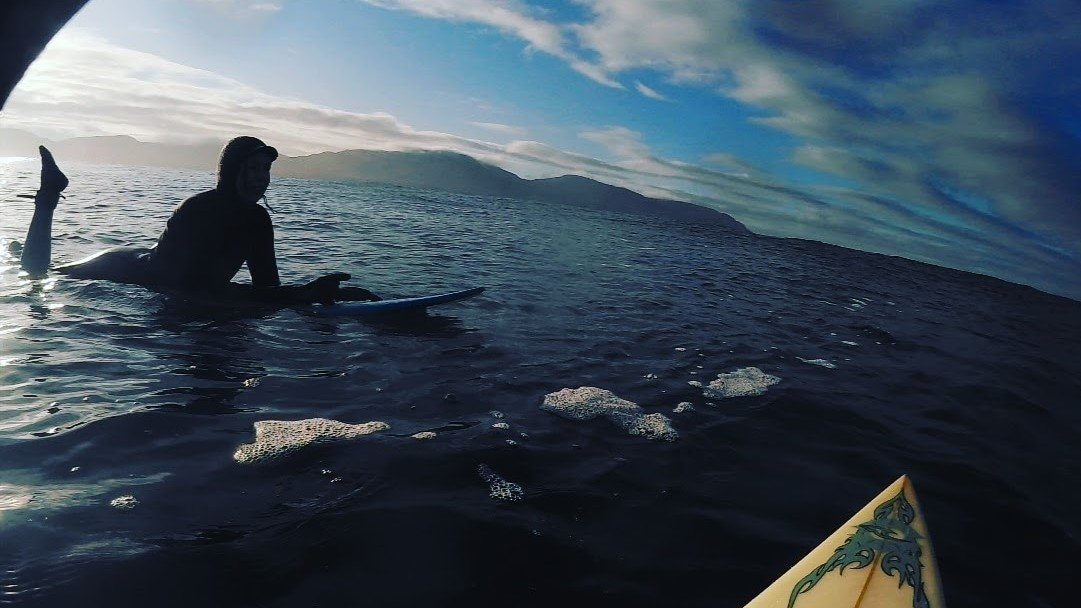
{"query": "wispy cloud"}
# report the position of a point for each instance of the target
(84, 85)
(243, 8)
(510, 17)
(957, 100)
(502, 129)
(648, 92)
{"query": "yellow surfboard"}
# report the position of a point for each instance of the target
(881, 558)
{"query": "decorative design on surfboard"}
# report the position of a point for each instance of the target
(890, 538)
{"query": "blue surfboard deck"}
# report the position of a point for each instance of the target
(359, 309)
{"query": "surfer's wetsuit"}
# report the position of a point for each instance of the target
(212, 234)
(205, 242)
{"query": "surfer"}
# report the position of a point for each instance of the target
(204, 244)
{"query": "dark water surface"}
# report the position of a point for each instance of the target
(969, 385)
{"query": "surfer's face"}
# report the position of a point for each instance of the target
(254, 177)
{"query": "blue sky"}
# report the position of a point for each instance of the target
(943, 132)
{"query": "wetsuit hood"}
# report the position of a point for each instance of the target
(233, 155)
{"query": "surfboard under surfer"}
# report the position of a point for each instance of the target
(209, 237)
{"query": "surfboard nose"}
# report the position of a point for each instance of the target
(881, 557)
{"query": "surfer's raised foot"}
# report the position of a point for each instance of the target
(53, 180)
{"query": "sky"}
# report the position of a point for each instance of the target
(946, 132)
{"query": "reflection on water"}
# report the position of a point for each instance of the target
(886, 367)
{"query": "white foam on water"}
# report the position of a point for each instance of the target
(495, 414)
(126, 502)
(501, 426)
(819, 362)
(745, 382)
(683, 406)
(849, 342)
(856, 304)
(423, 435)
(651, 426)
(588, 402)
(274, 438)
(499, 488)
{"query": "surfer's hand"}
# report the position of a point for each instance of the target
(356, 294)
(325, 289)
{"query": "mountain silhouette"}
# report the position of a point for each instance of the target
(434, 170)
(454, 172)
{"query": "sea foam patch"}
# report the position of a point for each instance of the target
(650, 426)
(820, 362)
(274, 438)
(499, 488)
(745, 382)
(126, 502)
(588, 402)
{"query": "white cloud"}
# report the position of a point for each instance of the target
(83, 85)
(510, 17)
(689, 40)
(732, 162)
(760, 83)
(648, 92)
(620, 141)
(500, 128)
(242, 8)
(506, 15)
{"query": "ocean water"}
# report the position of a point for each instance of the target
(121, 411)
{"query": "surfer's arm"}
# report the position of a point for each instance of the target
(355, 294)
(276, 294)
(262, 265)
(324, 290)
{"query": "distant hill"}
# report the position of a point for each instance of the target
(453, 172)
(434, 170)
(113, 150)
